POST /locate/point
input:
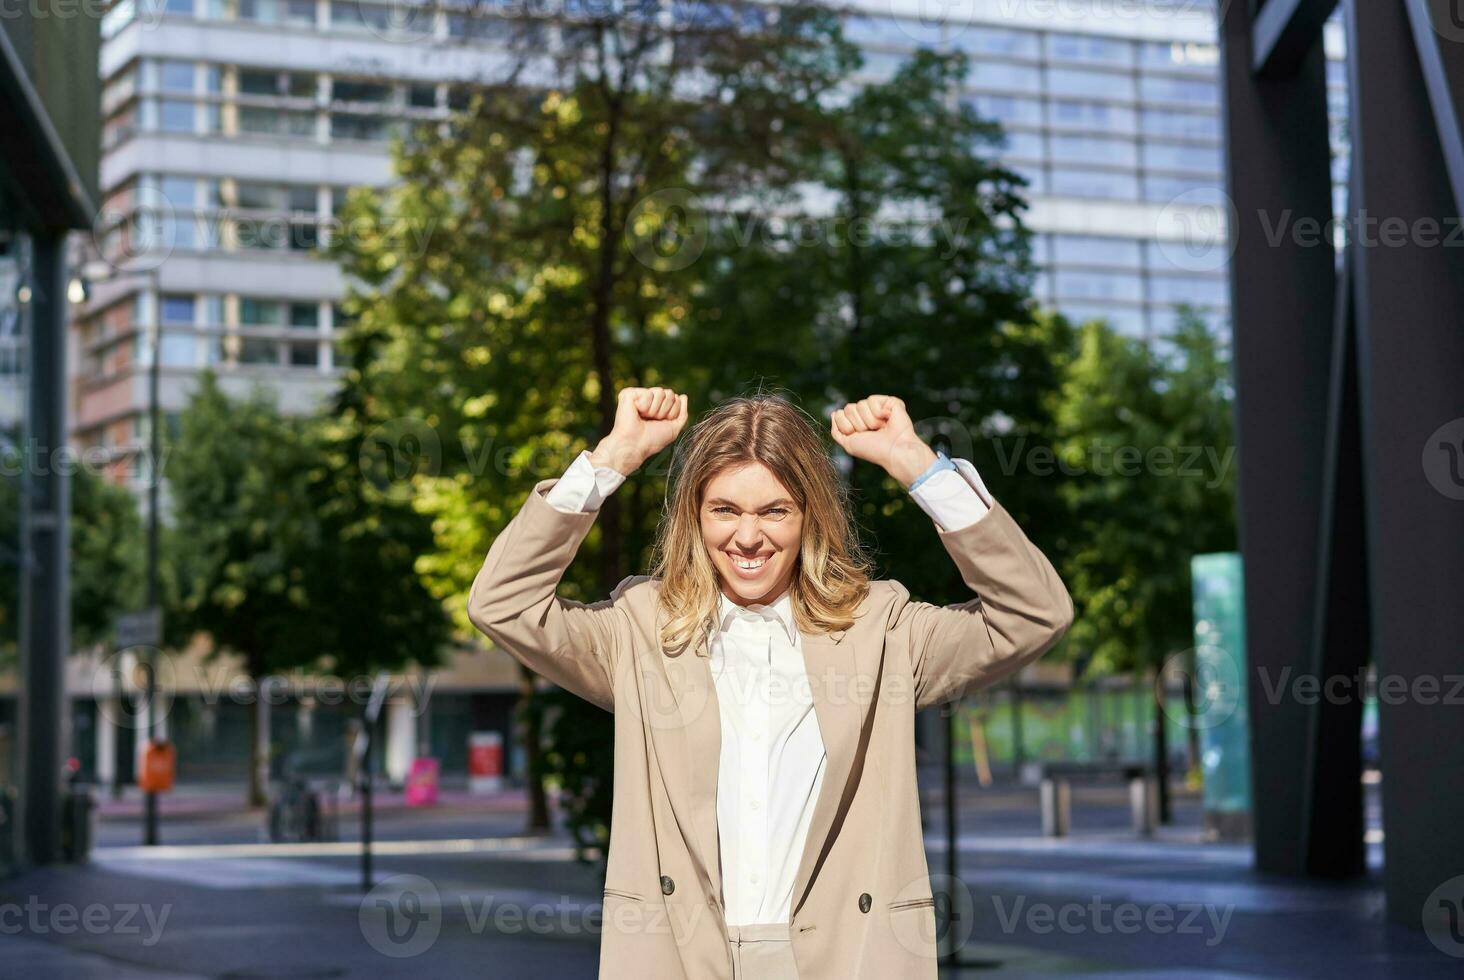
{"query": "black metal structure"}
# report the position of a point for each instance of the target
(48, 154)
(1349, 369)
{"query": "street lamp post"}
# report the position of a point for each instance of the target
(102, 271)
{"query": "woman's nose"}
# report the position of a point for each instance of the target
(749, 533)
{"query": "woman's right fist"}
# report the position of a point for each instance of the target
(647, 420)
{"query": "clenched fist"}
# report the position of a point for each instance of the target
(647, 420)
(878, 430)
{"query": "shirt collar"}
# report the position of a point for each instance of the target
(779, 611)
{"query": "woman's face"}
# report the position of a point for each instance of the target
(749, 518)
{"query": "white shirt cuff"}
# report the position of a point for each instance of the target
(584, 486)
(956, 498)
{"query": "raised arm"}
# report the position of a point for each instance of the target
(1020, 608)
(576, 645)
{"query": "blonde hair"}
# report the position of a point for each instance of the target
(831, 571)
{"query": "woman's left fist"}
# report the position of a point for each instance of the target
(878, 430)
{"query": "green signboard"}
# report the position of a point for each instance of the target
(1220, 693)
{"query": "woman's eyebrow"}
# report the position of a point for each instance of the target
(773, 503)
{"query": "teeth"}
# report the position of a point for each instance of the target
(743, 563)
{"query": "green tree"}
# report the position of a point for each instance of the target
(1145, 433)
(516, 276)
(282, 552)
(105, 556)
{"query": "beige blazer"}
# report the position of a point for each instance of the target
(862, 900)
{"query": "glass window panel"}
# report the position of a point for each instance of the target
(305, 355)
(1002, 75)
(1180, 289)
(180, 192)
(1073, 182)
(178, 309)
(422, 96)
(302, 198)
(1177, 156)
(175, 76)
(254, 350)
(993, 40)
(1179, 56)
(175, 117)
(1093, 149)
(352, 127)
(304, 315)
(353, 90)
(1095, 250)
(890, 31)
(1022, 145)
(1090, 49)
(1069, 114)
(261, 313)
(1160, 88)
(1198, 191)
(269, 197)
(1092, 84)
(1007, 109)
(177, 349)
(304, 236)
(1192, 125)
(1126, 320)
(1099, 285)
(1035, 176)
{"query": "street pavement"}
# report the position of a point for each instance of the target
(479, 898)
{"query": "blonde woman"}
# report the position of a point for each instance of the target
(766, 822)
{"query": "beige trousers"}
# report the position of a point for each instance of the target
(762, 951)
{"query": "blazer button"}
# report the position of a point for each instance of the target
(667, 885)
(865, 902)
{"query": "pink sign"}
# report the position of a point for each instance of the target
(421, 786)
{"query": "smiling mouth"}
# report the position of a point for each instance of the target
(749, 564)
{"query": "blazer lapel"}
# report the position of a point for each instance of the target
(833, 675)
(687, 735)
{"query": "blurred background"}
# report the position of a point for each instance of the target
(299, 299)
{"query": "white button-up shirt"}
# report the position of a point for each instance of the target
(773, 759)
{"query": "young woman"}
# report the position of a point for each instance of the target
(766, 820)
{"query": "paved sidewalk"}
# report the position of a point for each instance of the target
(1099, 904)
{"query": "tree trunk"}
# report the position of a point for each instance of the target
(1161, 747)
(1192, 732)
(258, 753)
(531, 739)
